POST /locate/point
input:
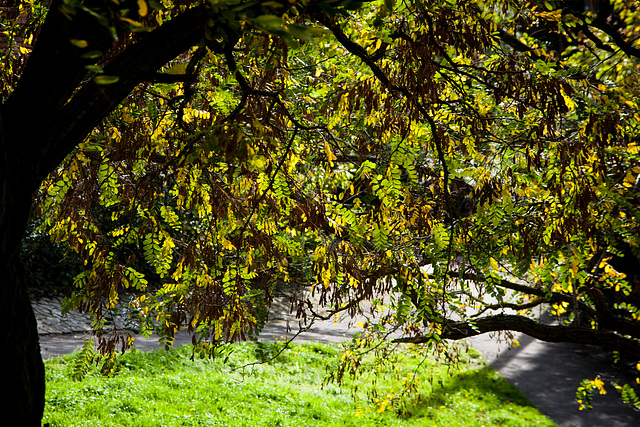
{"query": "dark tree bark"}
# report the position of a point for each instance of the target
(548, 333)
(23, 385)
(23, 381)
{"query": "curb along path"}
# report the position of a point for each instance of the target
(63, 333)
(548, 373)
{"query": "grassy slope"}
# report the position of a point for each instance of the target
(167, 389)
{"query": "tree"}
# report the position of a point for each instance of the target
(450, 159)
(53, 106)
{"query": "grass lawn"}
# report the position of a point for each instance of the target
(166, 388)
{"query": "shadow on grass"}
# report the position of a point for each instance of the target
(484, 382)
(482, 395)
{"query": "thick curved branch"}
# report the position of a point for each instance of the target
(360, 52)
(606, 319)
(93, 102)
(617, 38)
(606, 340)
(547, 296)
(515, 43)
(55, 67)
(596, 41)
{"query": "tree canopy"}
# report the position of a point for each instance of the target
(457, 166)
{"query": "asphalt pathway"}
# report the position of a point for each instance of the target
(547, 373)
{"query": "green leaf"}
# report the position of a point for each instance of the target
(93, 68)
(93, 54)
(106, 80)
(269, 22)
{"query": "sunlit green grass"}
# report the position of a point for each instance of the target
(166, 388)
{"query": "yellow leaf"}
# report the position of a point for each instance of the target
(568, 101)
(131, 21)
(79, 43)
(574, 267)
(383, 406)
(142, 8)
(599, 385)
(330, 156)
(227, 245)
(629, 180)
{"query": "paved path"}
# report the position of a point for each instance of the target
(547, 373)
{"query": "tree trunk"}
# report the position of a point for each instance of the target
(23, 383)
